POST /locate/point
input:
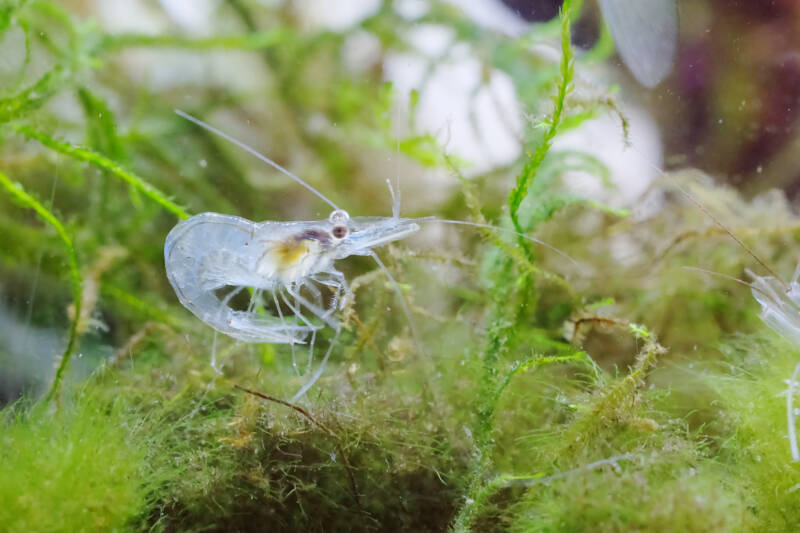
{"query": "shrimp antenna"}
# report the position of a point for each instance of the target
(255, 153)
(732, 278)
(506, 230)
(395, 198)
(727, 230)
(720, 275)
(716, 220)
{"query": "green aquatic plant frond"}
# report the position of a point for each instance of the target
(145, 309)
(497, 237)
(33, 97)
(7, 11)
(545, 200)
(101, 126)
(67, 59)
(105, 163)
(253, 41)
(534, 161)
(547, 360)
(549, 205)
(16, 191)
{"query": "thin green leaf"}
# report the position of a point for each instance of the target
(84, 154)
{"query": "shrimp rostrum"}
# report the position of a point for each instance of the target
(211, 258)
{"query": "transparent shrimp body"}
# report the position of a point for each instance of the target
(780, 305)
(780, 310)
(210, 258)
(209, 252)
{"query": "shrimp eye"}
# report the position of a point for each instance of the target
(339, 216)
(339, 232)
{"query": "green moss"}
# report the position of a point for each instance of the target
(655, 492)
(81, 470)
(751, 417)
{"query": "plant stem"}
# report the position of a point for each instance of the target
(564, 86)
(26, 200)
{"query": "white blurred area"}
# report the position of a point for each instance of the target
(473, 110)
(24, 351)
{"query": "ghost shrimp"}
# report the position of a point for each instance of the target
(780, 307)
(780, 311)
(211, 258)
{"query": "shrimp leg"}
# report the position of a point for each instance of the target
(283, 321)
(254, 301)
(317, 298)
(299, 314)
(338, 282)
(310, 346)
(320, 369)
(318, 312)
(214, 354)
(228, 298)
(315, 293)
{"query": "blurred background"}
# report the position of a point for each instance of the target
(729, 106)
